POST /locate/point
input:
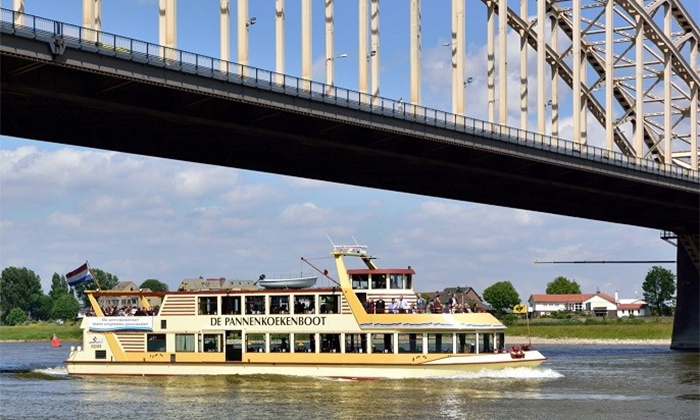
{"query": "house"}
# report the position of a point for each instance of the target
(465, 295)
(632, 307)
(120, 301)
(600, 304)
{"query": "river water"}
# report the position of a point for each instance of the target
(576, 382)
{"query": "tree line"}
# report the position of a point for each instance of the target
(22, 297)
(659, 288)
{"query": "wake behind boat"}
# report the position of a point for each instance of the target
(287, 283)
(338, 332)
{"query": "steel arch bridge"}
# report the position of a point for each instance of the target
(645, 55)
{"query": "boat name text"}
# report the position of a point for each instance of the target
(269, 321)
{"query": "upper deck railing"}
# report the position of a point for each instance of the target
(65, 35)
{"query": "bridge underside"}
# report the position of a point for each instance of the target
(134, 108)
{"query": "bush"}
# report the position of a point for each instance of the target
(509, 319)
(16, 316)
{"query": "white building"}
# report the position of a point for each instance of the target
(597, 303)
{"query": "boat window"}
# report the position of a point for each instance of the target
(500, 343)
(254, 305)
(330, 343)
(410, 343)
(360, 281)
(330, 304)
(486, 342)
(208, 305)
(304, 304)
(230, 305)
(379, 281)
(355, 343)
(466, 343)
(279, 342)
(279, 304)
(305, 343)
(396, 281)
(255, 342)
(184, 342)
(155, 342)
(440, 343)
(382, 343)
(211, 343)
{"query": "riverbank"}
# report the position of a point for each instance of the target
(592, 341)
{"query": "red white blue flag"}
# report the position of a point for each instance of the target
(79, 275)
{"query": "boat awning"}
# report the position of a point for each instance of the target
(381, 271)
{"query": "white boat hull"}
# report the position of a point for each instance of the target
(448, 366)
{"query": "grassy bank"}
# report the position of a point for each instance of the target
(43, 331)
(637, 329)
(591, 329)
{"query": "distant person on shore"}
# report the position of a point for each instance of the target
(55, 342)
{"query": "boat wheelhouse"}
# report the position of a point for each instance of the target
(326, 332)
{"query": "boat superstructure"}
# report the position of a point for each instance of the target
(327, 332)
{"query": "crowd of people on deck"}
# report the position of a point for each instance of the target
(420, 306)
(124, 311)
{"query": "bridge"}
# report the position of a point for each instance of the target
(152, 99)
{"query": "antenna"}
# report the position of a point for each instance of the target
(331, 241)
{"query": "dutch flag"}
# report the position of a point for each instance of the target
(79, 275)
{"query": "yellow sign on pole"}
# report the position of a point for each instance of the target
(520, 309)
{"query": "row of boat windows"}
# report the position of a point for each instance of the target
(329, 343)
(272, 304)
(381, 281)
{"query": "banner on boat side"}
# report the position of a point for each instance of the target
(121, 323)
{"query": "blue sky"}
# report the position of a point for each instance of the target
(139, 217)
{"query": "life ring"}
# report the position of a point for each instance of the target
(516, 352)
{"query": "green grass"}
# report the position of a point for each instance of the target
(42, 331)
(651, 329)
(633, 329)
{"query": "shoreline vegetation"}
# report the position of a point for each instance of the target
(647, 331)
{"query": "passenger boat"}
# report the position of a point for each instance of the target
(320, 332)
(287, 283)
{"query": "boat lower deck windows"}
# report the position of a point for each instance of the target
(211, 343)
(466, 343)
(230, 305)
(440, 343)
(184, 342)
(304, 343)
(279, 343)
(382, 343)
(155, 342)
(410, 343)
(208, 305)
(101, 354)
(255, 342)
(330, 343)
(356, 343)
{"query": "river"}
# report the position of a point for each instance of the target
(576, 382)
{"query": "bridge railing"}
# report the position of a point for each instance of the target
(73, 36)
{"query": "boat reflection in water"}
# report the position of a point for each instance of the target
(338, 332)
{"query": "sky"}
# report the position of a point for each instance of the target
(140, 217)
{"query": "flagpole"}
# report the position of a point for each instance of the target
(94, 277)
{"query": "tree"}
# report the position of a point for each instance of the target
(19, 288)
(563, 286)
(501, 295)
(659, 286)
(66, 307)
(103, 280)
(154, 285)
(42, 308)
(59, 286)
(16, 316)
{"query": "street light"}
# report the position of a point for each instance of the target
(339, 56)
(371, 54)
(251, 22)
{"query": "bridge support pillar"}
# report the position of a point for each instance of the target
(686, 323)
